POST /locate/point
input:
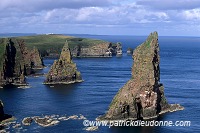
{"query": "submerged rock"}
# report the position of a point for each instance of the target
(16, 125)
(82, 117)
(93, 128)
(27, 121)
(24, 87)
(142, 97)
(63, 71)
(73, 117)
(45, 122)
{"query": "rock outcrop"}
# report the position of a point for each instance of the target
(36, 59)
(118, 49)
(17, 61)
(142, 97)
(32, 58)
(129, 51)
(63, 71)
(98, 50)
(3, 116)
(1, 111)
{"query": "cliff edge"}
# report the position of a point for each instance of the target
(142, 97)
(63, 71)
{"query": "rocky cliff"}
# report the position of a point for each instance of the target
(142, 97)
(17, 61)
(63, 71)
(3, 116)
(98, 50)
(36, 59)
(31, 57)
(51, 46)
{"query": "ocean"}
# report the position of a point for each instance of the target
(103, 77)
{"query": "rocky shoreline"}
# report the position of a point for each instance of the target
(173, 108)
(43, 121)
(70, 82)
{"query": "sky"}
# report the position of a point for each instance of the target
(101, 17)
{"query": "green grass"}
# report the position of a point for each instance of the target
(2, 51)
(45, 42)
(48, 43)
(84, 42)
(54, 43)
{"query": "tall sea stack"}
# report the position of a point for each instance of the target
(63, 71)
(17, 61)
(142, 97)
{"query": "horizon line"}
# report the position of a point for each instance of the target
(99, 34)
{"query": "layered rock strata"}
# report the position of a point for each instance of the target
(63, 71)
(98, 50)
(17, 61)
(142, 97)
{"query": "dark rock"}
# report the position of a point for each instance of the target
(63, 71)
(27, 121)
(3, 116)
(1, 111)
(17, 61)
(129, 51)
(142, 97)
(119, 50)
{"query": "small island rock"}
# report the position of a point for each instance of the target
(63, 71)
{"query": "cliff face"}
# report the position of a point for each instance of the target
(98, 50)
(142, 97)
(32, 58)
(63, 71)
(36, 59)
(17, 61)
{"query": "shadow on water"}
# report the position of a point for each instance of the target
(10, 91)
(62, 89)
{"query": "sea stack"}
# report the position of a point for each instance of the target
(63, 71)
(142, 97)
(17, 61)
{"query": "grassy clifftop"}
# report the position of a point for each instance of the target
(2, 51)
(54, 43)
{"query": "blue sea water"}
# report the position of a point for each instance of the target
(103, 77)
